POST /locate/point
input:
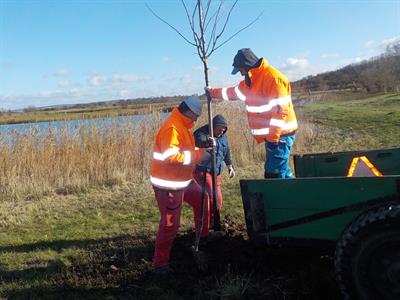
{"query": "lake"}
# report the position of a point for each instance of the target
(72, 126)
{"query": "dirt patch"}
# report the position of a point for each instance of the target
(120, 268)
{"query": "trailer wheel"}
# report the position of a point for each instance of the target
(367, 257)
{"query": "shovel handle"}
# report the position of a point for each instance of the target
(216, 219)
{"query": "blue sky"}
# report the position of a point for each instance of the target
(57, 52)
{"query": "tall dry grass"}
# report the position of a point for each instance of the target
(38, 163)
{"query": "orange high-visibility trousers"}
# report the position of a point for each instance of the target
(209, 209)
(170, 205)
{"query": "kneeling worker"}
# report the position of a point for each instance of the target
(204, 168)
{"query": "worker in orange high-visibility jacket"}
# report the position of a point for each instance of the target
(266, 93)
(172, 167)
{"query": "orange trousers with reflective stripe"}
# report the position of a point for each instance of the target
(170, 205)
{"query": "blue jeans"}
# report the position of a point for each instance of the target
(277, 158)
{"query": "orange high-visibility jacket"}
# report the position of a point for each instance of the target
(268, 102)
(174, 153)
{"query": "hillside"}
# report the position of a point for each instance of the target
(378, 74)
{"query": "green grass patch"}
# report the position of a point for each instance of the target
(375, 118)
(61, 232)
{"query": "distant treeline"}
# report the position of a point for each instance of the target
(378, 74)
(138, 102)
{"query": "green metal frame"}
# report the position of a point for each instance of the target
(312, 208)
(387, 161)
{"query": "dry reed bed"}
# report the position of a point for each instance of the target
(38, 163)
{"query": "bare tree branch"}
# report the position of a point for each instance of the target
(202, 32)
(194, 15)
(191, 23)
(187, 15)
(224, 26)
(211, 18)
(212, 40)
(176, 30)
(207, 9)
(235, 34)
(205, 47)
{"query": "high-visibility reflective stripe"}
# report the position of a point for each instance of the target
(290, 125)
(166, 154)
(364, 159)
(277, 123)
(272, 103)
(371, 166)
(169, 183)
(239, 94)
(261, 131)
(281, 124)
(187, 157)
(352, 167)
(224, 93)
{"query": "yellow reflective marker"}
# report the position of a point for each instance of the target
(361, 167)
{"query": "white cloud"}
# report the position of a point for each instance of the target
(75, 92)
(115, 79)
(164, 60)
(358, 59)
(297, 68)
(96, 80)
(99, 88)
(376, 47)
(127, 78)
(48, 97)
(387, 43)
(185, 79)
(295, 64)
(124, 93)
(62, 73)
(63, 83)
(370, 44)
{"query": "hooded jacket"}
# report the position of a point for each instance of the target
(222, 151)
(267, 95)
(174, 153)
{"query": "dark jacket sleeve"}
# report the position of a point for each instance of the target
(227, 159)
(201, 137)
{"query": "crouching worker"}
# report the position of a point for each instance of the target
(204, 168)
(171, 175)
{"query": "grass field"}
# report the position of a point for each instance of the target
(376, 119)
(72, 226)
(86, 112)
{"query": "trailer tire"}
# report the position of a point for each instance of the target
(367, 256)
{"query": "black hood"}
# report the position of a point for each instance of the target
(220, 120)
(245, 58)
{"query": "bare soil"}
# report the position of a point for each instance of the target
(120, 268)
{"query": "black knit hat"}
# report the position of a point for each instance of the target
(220, 120)
(245, 58)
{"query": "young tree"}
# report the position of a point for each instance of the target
(207, 26)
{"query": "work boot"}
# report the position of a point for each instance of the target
(214, 236)
(164, 273)
(203, 242)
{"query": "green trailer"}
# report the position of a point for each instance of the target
(359, 217)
